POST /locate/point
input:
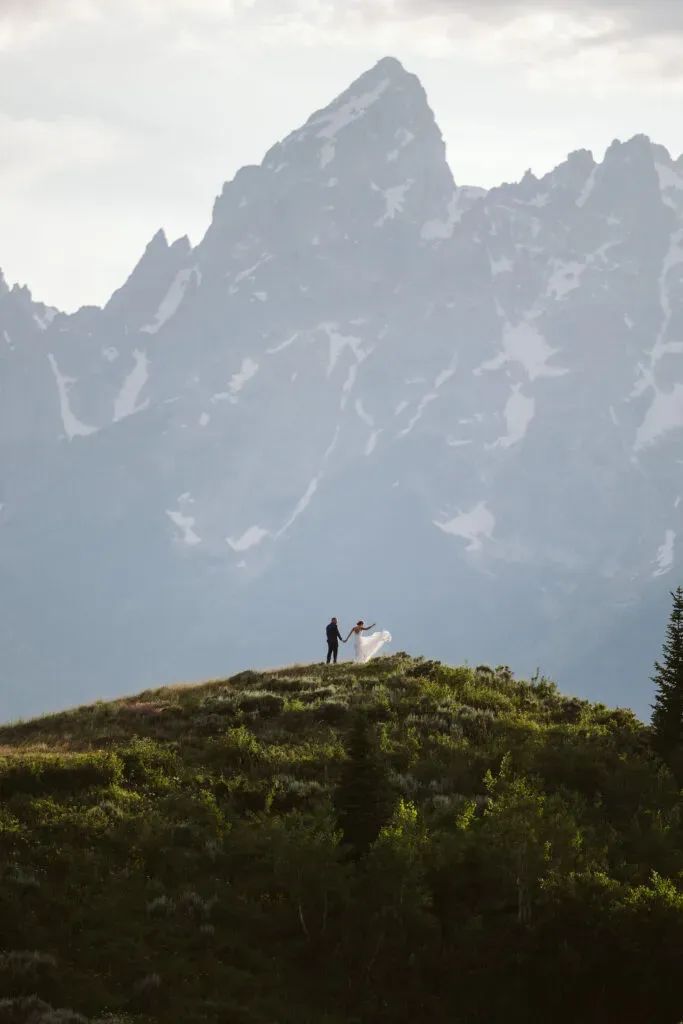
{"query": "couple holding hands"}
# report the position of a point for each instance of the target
(365, 647)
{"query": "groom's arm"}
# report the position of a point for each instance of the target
(339, 636)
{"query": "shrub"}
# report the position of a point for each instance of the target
(290, 793)
(285, 685)
(16, 874)
(31, 1010)
(423, 669)
(57, 773)
(191, 904)
(431, 722)
(23, 972)
(487, 697)
(569, 711)
(475, 723)
(22, 963)
(266, 705)
(146, 991)
(147, 763)
(237, 749)
(245, 794)
(161, 906)
(405, 783)
(333, 711)
(544, 688)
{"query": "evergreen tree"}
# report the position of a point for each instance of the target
(667, 716)
(362, 799)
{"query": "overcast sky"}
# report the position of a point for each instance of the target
(121, 116)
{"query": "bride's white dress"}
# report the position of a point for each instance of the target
(367, 647)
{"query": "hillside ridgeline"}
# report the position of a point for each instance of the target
(393, 842)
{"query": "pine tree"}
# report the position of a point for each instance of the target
(667, 715)
(362, 799)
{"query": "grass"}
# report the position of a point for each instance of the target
(174, 856)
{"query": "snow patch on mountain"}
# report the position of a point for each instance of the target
(338, 342)
(672, 259)
(73, 427)
(170, 304)
(44, 319)
(283, 344)
(362, 414)
(249, 539)
(461, 201)
(669, 182)
(394, 198)
(372, 442)
(442, 377)
(664, 414)
(126, 402)
(564, 278)
(664, 559)
(519, 412)
(524, 344)
(540, 200)
(300, 507)
(419, 412)
(403, 138)
(474, 526)
(250, 272)
(247, 370)
(501, 265)
(340, 116)
(184, 523)
(335, 119)
(588, 187)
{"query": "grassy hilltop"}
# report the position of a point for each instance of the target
(395, 842)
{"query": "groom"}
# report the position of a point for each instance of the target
(333, 638)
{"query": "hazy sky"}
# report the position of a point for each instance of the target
(121, 116)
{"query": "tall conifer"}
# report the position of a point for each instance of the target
(667, 714)
(362, 799)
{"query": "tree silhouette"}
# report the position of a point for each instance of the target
(362, 799)
(667, 715)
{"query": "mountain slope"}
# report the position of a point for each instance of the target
(183, 854)
(366, 391)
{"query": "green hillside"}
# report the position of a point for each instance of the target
(401, 841)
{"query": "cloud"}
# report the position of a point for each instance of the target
(119, 117)
(612, 38)
(627, 18)
(593, 20)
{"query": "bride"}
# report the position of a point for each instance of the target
(366, 647)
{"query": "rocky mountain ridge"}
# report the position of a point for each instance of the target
(366, 391)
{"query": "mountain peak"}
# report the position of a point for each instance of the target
(390, 65)
(387, 67)
(151, 275)
(637, 147)
(382, 105)
(383, 83)
(158, 242)
(373, 150)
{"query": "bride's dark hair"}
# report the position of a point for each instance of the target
(360, 622)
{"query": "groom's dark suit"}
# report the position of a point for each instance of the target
(333, 638)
